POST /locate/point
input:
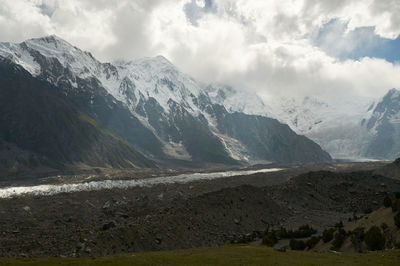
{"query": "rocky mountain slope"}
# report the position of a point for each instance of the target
(383, 127)
(161, 112)
(41, 127)
(391, 170)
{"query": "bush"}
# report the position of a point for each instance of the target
(396, 205)
(270, 239)
(339, 225)
(367, 210)
(313, 241)
(303, 231)
(397, 219)
(340, 236)
(397, 195)
(384, 226)
(375, 239)
(357, 237)
(387, 202)
(297, 244)
(327, 235)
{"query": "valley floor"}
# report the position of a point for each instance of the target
(226, 255)
(188, 215)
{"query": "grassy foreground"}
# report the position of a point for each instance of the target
(228, 255)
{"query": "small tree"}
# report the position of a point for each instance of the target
(384, 226)
(270, 239)
(339, 225)
(339, 239)
(313, 241)
(301, 232)
(396, 205)
(397, 219)
(327, 235)
(357, 237)
(297, 244)
(375, 239)
(387, 202)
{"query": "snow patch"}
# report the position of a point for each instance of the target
(176, 150)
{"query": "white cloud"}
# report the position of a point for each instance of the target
(264, 46)
(201, 3)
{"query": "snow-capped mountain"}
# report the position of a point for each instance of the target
(335, 126)
(161, 111)
(238, 101)
(383, 127)
(357, 129)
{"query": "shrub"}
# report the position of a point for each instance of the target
(375, 239)
(313, 241)
(302, 231)
(367, 210)
(297, 244)
(397, 195)
(327, 235)
(339, 225)
(339, 239)
(384, 226)
(357, 237)
(396, 205)
(397, 219)
(387, 202)
(270, 239)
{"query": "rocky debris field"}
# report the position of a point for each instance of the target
(175, 216)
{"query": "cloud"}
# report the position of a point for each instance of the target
(292, 47)
(195, 9)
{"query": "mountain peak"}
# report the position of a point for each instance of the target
(159, 61)
(393, 93)
(51, 40)
(163, 59)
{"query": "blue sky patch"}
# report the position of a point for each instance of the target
(358, 43)
(194, 12)
(46, 10)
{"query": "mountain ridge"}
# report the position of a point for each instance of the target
(155, 98)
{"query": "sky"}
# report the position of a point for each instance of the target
(325, 48)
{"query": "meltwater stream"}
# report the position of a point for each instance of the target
(48, 190)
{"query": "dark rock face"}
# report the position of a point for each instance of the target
(180, 126)
(385, 142)
(48, 129)
(391, 170)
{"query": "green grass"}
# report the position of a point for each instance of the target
(99, 127)
(228, 255)
(89, 120)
